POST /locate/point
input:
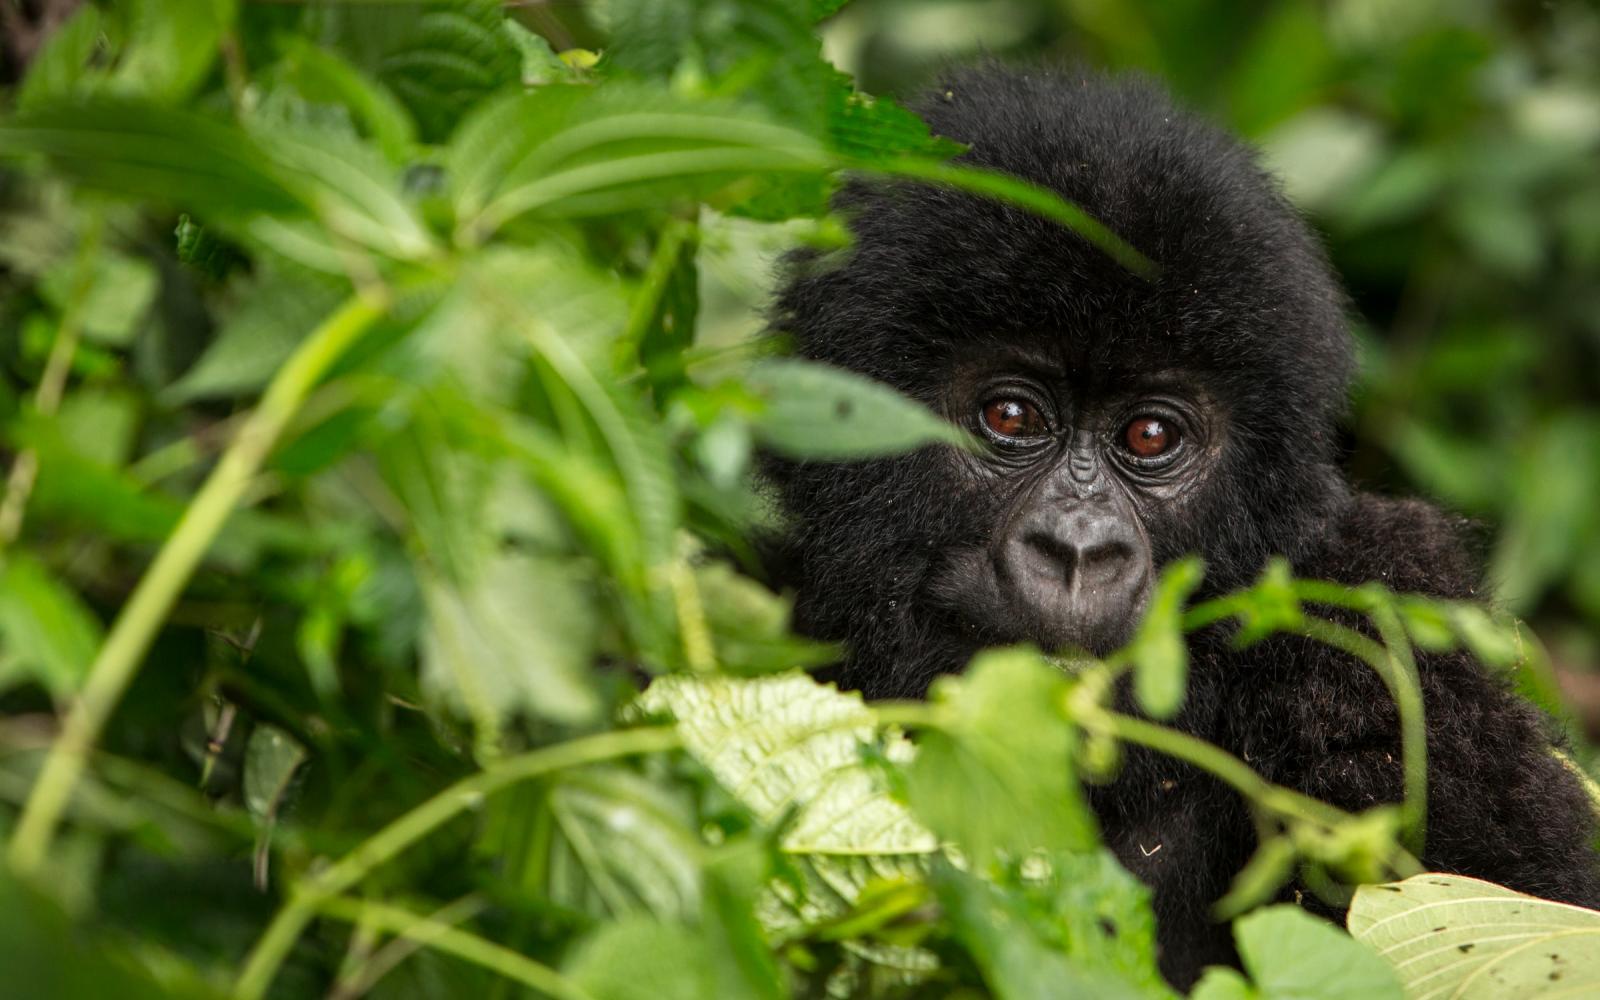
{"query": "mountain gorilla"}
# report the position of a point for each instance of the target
(1129, 422)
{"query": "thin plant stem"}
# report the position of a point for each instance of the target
(440, 936)
(1040, 200)
(263, 961)
(1213, 760)
(136, 625)
(1400, 678)
(53, 381)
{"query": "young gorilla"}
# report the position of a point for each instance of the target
(1130, 422)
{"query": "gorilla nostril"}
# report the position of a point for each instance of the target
(1103, 563)
(1096, 563)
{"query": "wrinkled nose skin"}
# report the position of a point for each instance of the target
(1081, 572)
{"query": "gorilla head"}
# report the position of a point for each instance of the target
(1127, 421)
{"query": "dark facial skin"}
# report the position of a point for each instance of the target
(1082, 477)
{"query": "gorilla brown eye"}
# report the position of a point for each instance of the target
(1013, 418)
(1149, 437)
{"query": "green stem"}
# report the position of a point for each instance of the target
(1033, 197)
(1400, 677)
(280, 935)
(1213, 760)
(139, 620)
(465, 945)
(53, 381)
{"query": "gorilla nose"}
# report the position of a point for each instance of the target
(1081, 575)
(1089, 561)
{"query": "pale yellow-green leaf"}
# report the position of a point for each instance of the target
(1460, 938)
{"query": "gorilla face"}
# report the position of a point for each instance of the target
(1127, 421)
(1081, 476)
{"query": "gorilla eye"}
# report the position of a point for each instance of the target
(1149, 437)
(1013, 418)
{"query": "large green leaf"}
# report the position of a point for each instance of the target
(516, 635)
(818, 411)
(571, 151)
(276, 306)
(155, 154)
(786, 743)
(1458, 937)
(1015, 953)
(1291, 955)
(996, 774)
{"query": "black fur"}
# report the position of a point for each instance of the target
(1246, 306)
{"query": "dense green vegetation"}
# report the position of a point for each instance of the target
(379, 388)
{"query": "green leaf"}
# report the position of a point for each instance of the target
(750, 625)
(787, 743)
(47, 635)
(1097, 914)
(271, 759)
(449, 58)
(154, 154)
(516, 636)
(641, 959)
(276, 306)
(817, 411)
(578, 151)
(349, 185)
(1448, 935)
(171, 44)
(604, 841)
(100, 423)
(120, 292)
(1224, 984)
(325, 76)
(1159, 651)
(1291, 955)
(60, 67)
(49, 957)
(1017, 958)
(996, 775)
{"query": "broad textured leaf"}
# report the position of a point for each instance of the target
(448, 59)
(725, 956)
(996, 775)
(1458, 937)
(1099, 915)
(277, 306)
(818, 411)
(47, 635)
(1017, 958)
(1291, 955)
(620, 846)
(516, 635)
(787, 742)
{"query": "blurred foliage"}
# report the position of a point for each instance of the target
(379, 386)
(1447, 150)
